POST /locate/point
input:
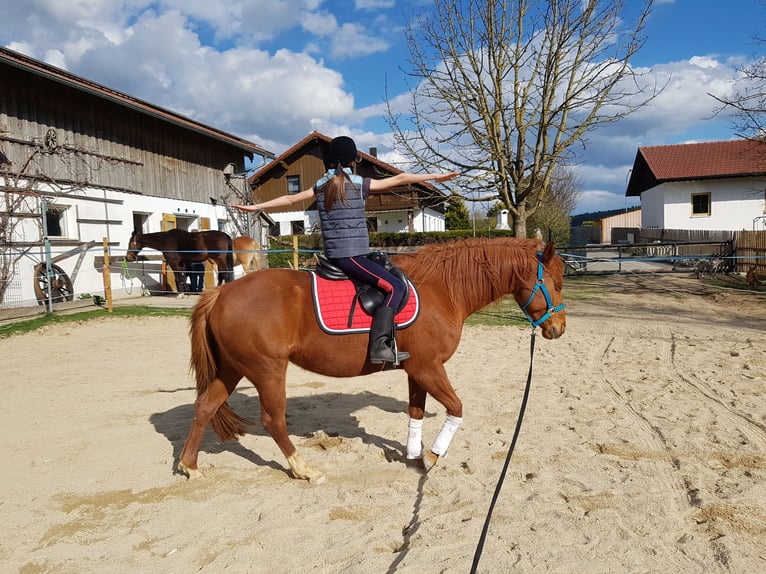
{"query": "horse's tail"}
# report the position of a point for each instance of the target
(225, 422)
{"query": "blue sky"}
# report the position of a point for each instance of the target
(271, 71)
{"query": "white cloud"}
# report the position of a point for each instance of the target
(355, 40)
(214, 61)
(374, 4)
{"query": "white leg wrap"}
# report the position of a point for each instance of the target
(415, 439)
(444, 438)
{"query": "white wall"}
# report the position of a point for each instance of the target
(392, 222)
(80, 266)
(423, 220)
(734, 204)
(653, 208)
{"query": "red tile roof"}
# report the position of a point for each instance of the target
(708, 160)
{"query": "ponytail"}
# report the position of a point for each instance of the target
(335, 188)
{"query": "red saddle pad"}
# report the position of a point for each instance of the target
(332, 304)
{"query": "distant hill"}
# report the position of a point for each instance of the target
(580, 218)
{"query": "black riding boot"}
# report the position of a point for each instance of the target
(382, 346)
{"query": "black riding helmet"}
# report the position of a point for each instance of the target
(342, 150)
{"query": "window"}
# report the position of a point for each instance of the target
(297, 227)
(54, 222)
(700, 204)
(59, 222)
(140, 222)
(293, 184)
(274, 230)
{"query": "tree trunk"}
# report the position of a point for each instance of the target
(520, 222)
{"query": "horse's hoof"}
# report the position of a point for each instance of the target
(192, 473)
(415, 455)
(429, 460)
(303, 471)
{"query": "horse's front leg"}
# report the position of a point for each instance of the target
(180, 277)
(416, 410)
(438, 386)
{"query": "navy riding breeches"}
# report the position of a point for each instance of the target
(370, 273)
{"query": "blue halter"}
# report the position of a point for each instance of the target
(540, 286)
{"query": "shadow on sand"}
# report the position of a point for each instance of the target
(331, 413)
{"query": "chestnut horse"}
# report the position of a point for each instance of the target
(246, 253)
(180, 248)
(256, 325)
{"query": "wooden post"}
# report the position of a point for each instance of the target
(107, 277)
(295, 252)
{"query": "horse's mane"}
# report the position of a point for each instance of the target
(475, 269)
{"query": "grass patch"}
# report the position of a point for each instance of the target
(582, 288)
(504, 313)
(31, 325)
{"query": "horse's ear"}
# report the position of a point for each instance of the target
(549, 252)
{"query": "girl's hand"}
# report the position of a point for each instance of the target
(445, 176)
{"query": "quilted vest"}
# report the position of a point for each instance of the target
(344, 227)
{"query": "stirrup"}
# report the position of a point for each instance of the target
(398, 356)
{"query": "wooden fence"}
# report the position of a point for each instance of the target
(751, 251)
(749, 247)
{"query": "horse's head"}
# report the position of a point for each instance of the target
(134, 246)
(540, 298)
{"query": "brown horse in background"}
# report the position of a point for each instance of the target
(246, 253)
(258, 324)
(179, 248)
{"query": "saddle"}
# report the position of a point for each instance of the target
(345, 305)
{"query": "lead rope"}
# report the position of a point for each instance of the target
(482, 538)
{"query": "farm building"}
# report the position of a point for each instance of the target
(81, 164)
(410, 208)
(701, 186)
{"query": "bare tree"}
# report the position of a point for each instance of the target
(19, 202)
(747, 100)
(507, 90)
(21, 190)
(552, 218)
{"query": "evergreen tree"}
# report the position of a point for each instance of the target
(456, 215)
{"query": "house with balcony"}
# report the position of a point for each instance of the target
(408, 208)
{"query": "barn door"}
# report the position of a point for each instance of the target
(204, 223)
(168, 221)
(168, 279)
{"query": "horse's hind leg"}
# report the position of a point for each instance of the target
(273, 398)
(205, 407)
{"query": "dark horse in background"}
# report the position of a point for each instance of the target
(258, 324)
(180, 248)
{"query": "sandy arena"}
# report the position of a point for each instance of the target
(643, 450)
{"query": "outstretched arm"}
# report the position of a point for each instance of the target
(406, 178)
(281, 201)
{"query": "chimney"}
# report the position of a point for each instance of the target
(374, 152)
